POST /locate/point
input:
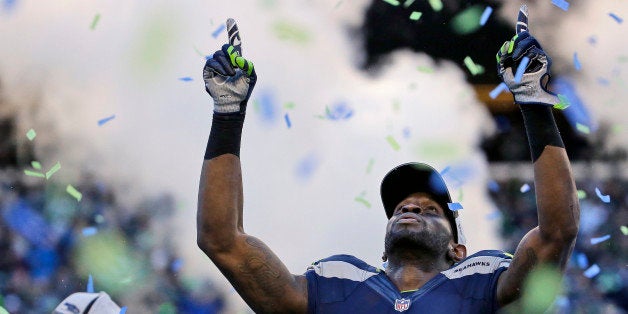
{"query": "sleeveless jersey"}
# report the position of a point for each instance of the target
(346, 284)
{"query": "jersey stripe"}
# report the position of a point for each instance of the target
(476, 265)
(342, 270)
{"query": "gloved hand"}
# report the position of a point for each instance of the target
(532, 88)
(229, 78)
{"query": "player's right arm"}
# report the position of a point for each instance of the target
(253, 269)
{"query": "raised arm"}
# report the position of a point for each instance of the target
(253, 269)
(552, 241)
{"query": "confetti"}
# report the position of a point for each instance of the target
(425, 69)
(186, 79)
(582, 194)
(291, 32)
(267, 106)
(624, 230)
(524, 188)
(467, 21)
(563, 103)
(408, 3)
(415, 16)
(582, 260)
(393, 143)
(339, 111)
(123, 310)
(602, 81)
(105, 120)
(521, 69)
(31, 134)
(369, 167)
(287, 120)
(392, 2)
(90, 284)
(360, 199)
(617, 19)
(307, 166)
(176, 265)
(493, 186)
(289, 105)
(498, 90)
(72, 191)
(475, 69)
(95, 21)
(576, 62)
(564, 5)
(53, 170)
(494, 215)
(485, 15)
(604, 198)
(36, 165)
(338, 4)
(583, 128)
(454, 206)
(592, 271)
(601, 239)
(218, 30)
(89, 231)
(3, 310)
(436, 5)
(34, 174)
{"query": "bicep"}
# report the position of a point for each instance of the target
(262, 280)
(532, 252)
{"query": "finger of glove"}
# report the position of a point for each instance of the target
(234, 35)
(522, 20)
(238, 61)
(220, 64)
(523, 44)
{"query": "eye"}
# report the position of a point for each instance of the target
(431, 210)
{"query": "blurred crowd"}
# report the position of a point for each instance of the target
(596, 279)
(51, 244)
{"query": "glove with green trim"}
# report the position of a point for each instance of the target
(230, 78)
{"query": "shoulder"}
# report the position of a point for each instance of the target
(482, 262)
(343, 267)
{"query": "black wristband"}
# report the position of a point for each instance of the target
(541, 128)
(225, 135)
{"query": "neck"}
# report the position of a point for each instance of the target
(412, 273)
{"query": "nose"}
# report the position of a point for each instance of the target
(411, 208)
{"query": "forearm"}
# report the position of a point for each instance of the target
(557, 201)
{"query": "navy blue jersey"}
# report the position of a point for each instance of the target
(346, 284)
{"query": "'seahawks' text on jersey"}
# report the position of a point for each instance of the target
(346, 284)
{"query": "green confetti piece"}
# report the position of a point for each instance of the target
(167, 308)
(34, 174)
(582, 194)
(415, 16)
(31, 134)
(475, 69)
(467, 21)
(52, 170)
(460, 195)
(360, 199)
(338, 4)
(3, 310)
(616, 128)
(287, 31)
(289, 105)
(436, 5)
(408, 3)
(563, 104)
(198, 52)
(425, 69)
(393, 143)
(622, 59)
(624, 230)
(72, 191)
(583, 128)
(369, 167)
(392, 2)
(95, 21)
(36, 165)
(396, 105)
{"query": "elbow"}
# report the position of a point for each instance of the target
(213, 242)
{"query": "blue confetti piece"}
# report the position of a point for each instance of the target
(564, 5)
(521, 69)
(89, 231)
(218, 30)
(582, 260)
(617, 19)
(8, 5)
(268, 106)
(105, 120)
(604, 198)
(576, 62)
(454, 206)
(339, 111)
(601, 239)
(602, 81)
(524, 188)
(485, 15)
(90, 284)
(307, 166)
(177, 264)
(493, 186)
(406, 132)
(287, 118)
(592, 271)
(185, 79)
(592, 40)
(498, 90)
(494, 215)
(123, 310)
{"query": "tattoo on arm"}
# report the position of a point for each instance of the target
(260, 269)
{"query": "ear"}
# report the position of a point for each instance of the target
(384, 257)
(457, 252)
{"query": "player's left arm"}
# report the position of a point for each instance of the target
(551, 242)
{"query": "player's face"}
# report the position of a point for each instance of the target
(418, 222)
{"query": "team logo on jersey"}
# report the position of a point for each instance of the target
(402, 304)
